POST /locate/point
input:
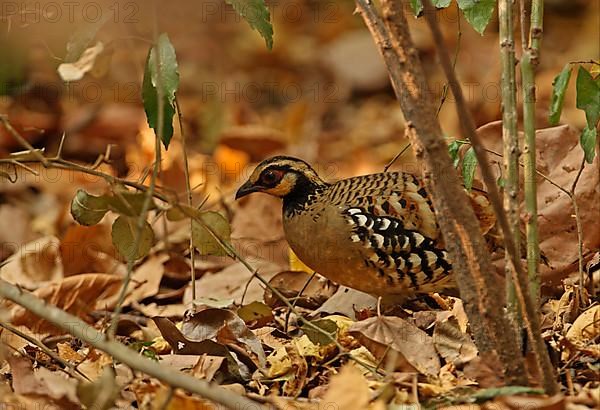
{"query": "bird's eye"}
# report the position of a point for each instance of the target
(271, 176)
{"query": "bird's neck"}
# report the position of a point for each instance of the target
(302, 196)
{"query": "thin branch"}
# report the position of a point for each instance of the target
(76, 327)
(188, 190)
(528, 63)
(579, 232)
(530, 314)
(510, 143)
(73, 370)
(59, 163)
(456, 51)
(398, 155)
(36, 153)
(460, 229)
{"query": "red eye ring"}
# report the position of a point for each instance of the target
(271, 176)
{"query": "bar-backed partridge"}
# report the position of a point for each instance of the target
(375, 233)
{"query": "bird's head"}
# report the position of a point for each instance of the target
(282, 177)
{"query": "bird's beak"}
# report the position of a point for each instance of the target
(246, 189)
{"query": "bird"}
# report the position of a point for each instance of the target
(374, 233)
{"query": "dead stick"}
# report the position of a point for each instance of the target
(530, 313)
(122, 353)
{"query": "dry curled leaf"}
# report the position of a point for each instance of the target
(452, 344)
(225, 327)
(77, 295)
(34, 264)
(43, 383)
(315, 289)
(414, 347)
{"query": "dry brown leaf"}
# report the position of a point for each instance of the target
(101, 394)
(153, 309)
(414, 346)
(256, 140)
(559, 158)
(224, 327)
(486, 370)
(34, 264)
(349, 390)
(182, 345)
(299, 370)
(348, 301)
(452, 344)
(68, 354)
(230, 283)
(534, 402)
(183, 362)
(94, 364)
(87, 249)
(290, 283)
(14, 227)
(179, 401)
(584, 331)
(145, 280)
(207, 366)
(77, 295)
(257, 230)
(43, 383)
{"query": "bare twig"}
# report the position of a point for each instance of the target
(528, 62)
(36, 153)
(510, 139)
(471, 261)
(579, 232)
(530, 314)
(72, 369)
(188, 190)
(120, 352)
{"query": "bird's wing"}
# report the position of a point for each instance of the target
(398, 195)
(389, 247)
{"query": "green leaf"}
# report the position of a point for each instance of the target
(588, 96)
(469, 166)
(477, 12)
(327, 325)
(124, 231)
(129, 203)
(202, 238)
(588, 143)
(256, 13)
(82, 38)
(453, 148)
(167, 77)
(559, 87)
(417, 6)
(88, 209)
(441, 4)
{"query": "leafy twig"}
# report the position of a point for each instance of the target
(142, 218)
